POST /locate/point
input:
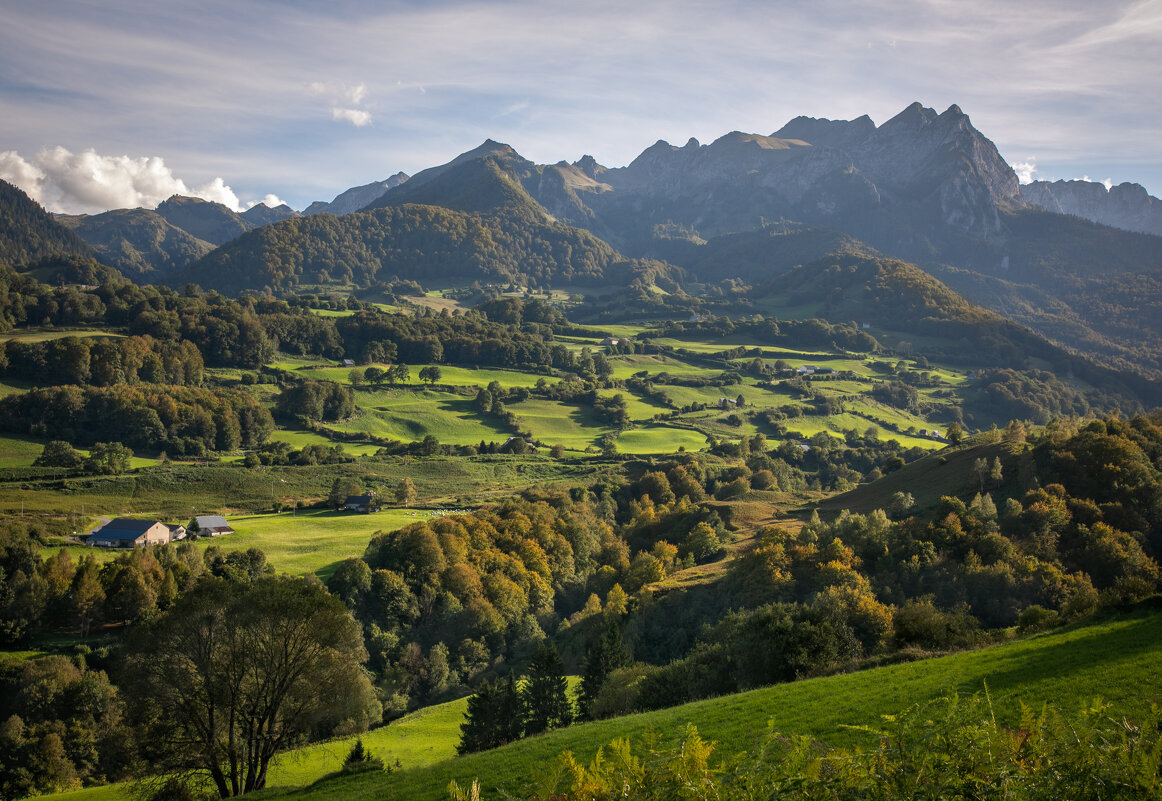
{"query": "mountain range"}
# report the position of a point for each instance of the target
(923, 187)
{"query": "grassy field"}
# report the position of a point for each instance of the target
(659, 439)
(300, 439)
(410, 416)
(1114, 659)
(557, 423)
(46, 334)
(311, 541)
(17, 451)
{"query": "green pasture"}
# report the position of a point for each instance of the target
(618, 331)
(755, 397)
(332, 312)
(310, 541)
(556, 423)
(450, 375)
(626, 366)
(482, 377)
(300, 439)
(302, 542)
(636, 407)
(17, 451)
(423, 738)
(1113, 659)
(651, 439)
(286, 361)
(410, 416)
(13, 388)
(47, 334)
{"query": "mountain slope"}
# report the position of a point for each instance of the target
(355, 198)
(138, 242)
(204, 219)
(28, 233)
(1111, 659)
(425, 243)
(898, 297)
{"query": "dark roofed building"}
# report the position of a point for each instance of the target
(210, 526)
(361, 503)
(125, 532)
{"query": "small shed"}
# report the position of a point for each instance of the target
(125, 532)
(210, 526)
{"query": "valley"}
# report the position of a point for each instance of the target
(812, 433)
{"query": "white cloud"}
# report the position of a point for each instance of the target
(1025, 170)
(355, 116)
(270, 201)
(356, 94)
(88, 182)
(345, 101)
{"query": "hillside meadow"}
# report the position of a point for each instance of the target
(1112, 659)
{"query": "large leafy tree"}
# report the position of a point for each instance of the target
(233, 673)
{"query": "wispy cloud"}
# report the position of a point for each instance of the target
(345, 101)
(355, 116)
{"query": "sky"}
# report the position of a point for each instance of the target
(122, 103)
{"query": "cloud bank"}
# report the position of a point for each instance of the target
(88, 182)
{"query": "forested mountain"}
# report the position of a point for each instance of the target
(204, 219)
(418, 242)
(140, 243)
(898, 297)
(28, 233)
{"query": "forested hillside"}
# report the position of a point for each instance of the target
(409, 242)
(28, 233)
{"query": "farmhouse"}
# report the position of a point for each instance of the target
(361, 503)
(807, 369)
(210, 525)
(124, 532)
(612, 341)
(176, 531)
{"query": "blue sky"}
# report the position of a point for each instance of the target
(107, 103)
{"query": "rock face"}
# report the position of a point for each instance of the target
(355, 198)
(1126, 206)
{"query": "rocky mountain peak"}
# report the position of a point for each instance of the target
(1127, 206)
(843, 134)
(913, 118)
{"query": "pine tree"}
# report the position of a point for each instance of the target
(546, 702)
(494, 717)
(607, 656)
(477, 732)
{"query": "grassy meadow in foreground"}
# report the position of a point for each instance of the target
(1112, 659)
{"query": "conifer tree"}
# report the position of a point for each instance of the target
(546, 702)
(605, 657)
